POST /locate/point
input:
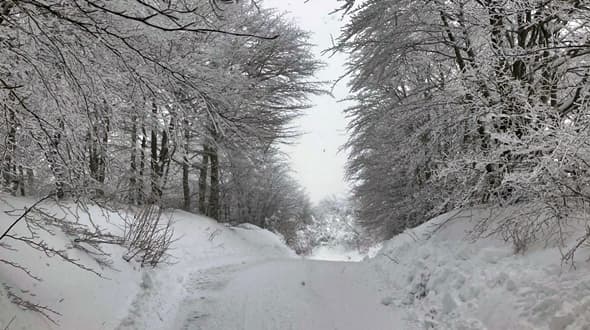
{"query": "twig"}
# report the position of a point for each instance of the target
(9, 323)
(23, 215)
(31, 306)
(391, 258)
(21, 268)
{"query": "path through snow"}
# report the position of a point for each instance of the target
(287, 294)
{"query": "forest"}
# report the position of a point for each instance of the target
(176, 104)
(144, 180)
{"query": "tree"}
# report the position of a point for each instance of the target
(63, 61)
(463, 103)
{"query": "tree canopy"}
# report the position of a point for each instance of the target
(465, 103)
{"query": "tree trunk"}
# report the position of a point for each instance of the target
(214, 191)
(102, 164)
(30, 174)
(8, 172)
(21, 180)
(142, 155)
(97, 140)
(156, 191)
(57, 168)
(203, 181)
(185, 169)
(133, 197)
(160, 158)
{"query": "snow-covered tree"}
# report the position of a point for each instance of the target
(259, 189)
(334, 224)
(116, 97)
(466, 102)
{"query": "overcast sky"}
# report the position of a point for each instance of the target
(318, 164)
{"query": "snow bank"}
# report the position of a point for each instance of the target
(127, 297)
(444, 281)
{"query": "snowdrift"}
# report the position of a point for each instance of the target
(124, 296)
(443, 280)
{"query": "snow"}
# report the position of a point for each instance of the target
(340, 252)
(129, 297)
(244, 277)
(296, 294)
(81, 297)
(335, 253)
(441, 280)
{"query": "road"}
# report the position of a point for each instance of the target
(287, 294)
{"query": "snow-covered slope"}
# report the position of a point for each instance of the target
(443, 281)
(225, 278)
(128, 297)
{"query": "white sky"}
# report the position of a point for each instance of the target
(316, 160)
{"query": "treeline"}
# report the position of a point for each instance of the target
(175, 103)
(462, 103)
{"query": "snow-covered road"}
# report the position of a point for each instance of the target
(287, 294)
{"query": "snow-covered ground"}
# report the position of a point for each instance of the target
(298, 295)
(127, 297)
(342, 253)
(335, 253)
(244, 277)
(431, 277)
(441, 280)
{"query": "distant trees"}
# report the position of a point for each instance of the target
(261, 191)
(467, 102)
(335, 224)
(332, 222)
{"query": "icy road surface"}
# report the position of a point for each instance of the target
(287, 294)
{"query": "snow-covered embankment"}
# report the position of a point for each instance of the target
(127, 296)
